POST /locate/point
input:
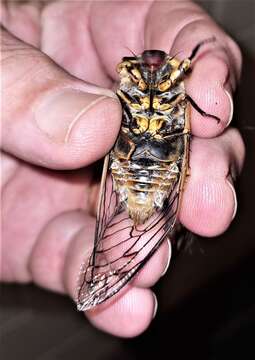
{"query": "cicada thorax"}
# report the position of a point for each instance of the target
(147, 158)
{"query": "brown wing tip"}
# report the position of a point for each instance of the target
(98, 293)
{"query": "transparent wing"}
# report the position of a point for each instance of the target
(120, 248)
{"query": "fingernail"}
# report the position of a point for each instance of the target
(169, 257)
(59, 112)
(235, 198)
(155, 305)
(231, 111)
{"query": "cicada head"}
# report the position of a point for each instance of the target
(153, 59)
(154, 65)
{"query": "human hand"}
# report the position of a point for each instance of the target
(53, 121)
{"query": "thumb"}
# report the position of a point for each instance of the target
(49, 117)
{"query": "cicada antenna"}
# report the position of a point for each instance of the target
(132, 52)
(172, 57)
(198, 46)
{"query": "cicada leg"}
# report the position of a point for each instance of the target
(201, 112)
(185, 64)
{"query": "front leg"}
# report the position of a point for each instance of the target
(185, 64)
(178, 98)
(201, 112)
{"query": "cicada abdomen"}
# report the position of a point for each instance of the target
(143, 175)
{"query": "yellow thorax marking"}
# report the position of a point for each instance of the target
(156, 124)
(136, 73)
(164, 85)
(142, 85)
(142, 124)
(174, 63)
(123, 65)
(148, 125)
(157, 106)
(145, 102)
(135, 106)
(156, 103)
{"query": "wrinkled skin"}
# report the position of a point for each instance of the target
(55, 119)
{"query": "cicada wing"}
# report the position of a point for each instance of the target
(108, 207)
(121, 248)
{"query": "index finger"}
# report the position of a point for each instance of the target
(175, 27)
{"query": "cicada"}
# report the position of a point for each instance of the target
(144, 173)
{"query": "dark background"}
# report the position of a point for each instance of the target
(207, 299)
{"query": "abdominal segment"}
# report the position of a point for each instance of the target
(142, 185)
